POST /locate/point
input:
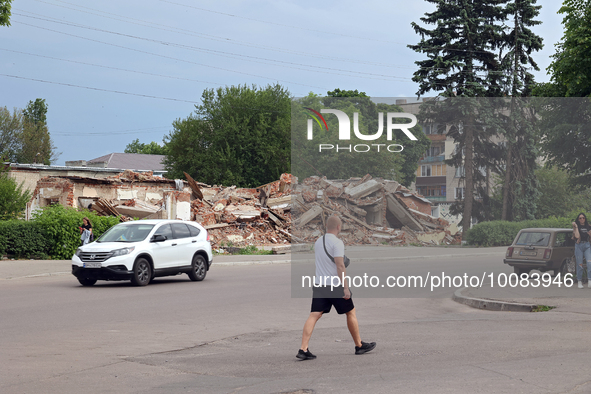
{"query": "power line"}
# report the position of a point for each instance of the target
(193, 33)
(109, 67)
(164, 56)
(119, 132)
(99, 89)
(281, 24)
(262, 60)
(231, 55)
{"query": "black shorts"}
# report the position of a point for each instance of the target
(323, 299)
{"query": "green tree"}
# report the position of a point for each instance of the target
(10, 134)
(5, 12)
(559, 194)
(565, 137)
(461, 61)
(239, 136)
(153, 148)
(520, 189)
(343, 163)
(570, 71)
(346, 93)
(412, 153)
(13, 199)
(36, 144)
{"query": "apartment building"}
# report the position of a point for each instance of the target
(436, 181)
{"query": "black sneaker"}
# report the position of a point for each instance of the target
(365, 347)
(305, 355)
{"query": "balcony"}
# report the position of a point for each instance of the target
(432, 159)
(436, 198)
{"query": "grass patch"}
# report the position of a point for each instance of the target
(543, 308)
(247, 250)
(251, 249)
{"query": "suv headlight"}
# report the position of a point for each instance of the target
(78, 252)
(122, 252)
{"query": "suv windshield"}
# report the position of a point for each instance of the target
(126, 233)
(533, 238)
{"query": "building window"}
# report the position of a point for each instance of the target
(432, 170)
(460, 172)
(459, 193)
(432, 191)
(434, 151)
(425, 170)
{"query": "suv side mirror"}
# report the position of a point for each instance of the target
(158, 238)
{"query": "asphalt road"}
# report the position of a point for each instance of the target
(239, 330)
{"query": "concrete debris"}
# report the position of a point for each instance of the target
(241, 217)
(373, 212)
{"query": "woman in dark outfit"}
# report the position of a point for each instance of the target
(87, 226)
(581, 231)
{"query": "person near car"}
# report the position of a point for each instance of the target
(86, 235)
(324, 298)
(581, 232)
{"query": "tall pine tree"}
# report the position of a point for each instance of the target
(461, 62)
(520, 186)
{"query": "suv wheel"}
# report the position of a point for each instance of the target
(198, 268)
(86, 281)
(142, 272)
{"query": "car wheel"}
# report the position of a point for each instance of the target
(142, 272)
(198, 268)
(568, 267)
(86, 281)
(520, 271)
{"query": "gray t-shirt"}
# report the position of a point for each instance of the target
(325, 268)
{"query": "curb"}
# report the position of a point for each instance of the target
(491, 305)
(254, 262)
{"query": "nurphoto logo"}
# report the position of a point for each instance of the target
(345, 130)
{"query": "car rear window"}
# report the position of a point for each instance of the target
(194, 230)
(533, 239)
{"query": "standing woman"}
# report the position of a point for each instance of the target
(581, 231)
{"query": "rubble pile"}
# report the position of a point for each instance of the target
(240, 217)
(130, 176)
(373, 211)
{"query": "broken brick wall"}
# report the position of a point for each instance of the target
(415, 203)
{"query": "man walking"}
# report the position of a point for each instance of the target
(330, 264)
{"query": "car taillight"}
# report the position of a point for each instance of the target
(207, 237)
(509, 252)
(547, 253)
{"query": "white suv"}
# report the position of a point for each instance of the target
(142, 250)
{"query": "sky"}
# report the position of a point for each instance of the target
(115, 71)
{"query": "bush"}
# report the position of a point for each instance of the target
(23, 239)
(502, 233)
(13, 199)
(61, 228)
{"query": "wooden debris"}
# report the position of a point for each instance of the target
(194, 186)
